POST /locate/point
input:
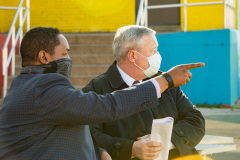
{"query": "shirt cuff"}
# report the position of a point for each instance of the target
(101, 149)
(171, 146)
(158, 89)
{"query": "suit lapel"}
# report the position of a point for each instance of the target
(115, 78)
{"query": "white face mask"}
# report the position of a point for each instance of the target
(154, 64)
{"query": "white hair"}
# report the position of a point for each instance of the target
(129, 38)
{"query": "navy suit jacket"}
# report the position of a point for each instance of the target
(44, 117)
(117, 137)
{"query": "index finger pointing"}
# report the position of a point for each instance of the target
(193, 65)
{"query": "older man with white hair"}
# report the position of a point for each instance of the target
(135, 49)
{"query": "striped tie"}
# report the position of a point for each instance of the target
(135, 82)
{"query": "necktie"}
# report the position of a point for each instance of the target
(147, 117)
(135, 82)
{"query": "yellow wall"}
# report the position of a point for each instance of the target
(74, 15)
(103, 15)
(205, 17)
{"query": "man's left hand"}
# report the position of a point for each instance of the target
(105, 155)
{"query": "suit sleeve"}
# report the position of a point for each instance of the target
(57, 102)
(117, 147)
(190, 128)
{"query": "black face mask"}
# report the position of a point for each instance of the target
(62, 66)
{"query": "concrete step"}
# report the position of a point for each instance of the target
(84, 59)
(90, 38)
(93, 59)
(81, 80)
(10, 79)
(18, 60)
(89, 69)
(17, 69)
(90, 49)
(79, 69)
(78, 87)
(166, 28)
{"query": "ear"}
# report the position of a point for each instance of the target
(44, 57)
(132, 56)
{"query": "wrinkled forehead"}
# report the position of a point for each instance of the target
(149, 40)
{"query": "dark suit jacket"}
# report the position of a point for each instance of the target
(117, 137)
(44, 117)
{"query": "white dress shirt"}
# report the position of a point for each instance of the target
(129, 81)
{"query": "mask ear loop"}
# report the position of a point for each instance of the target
(141, 55)
(136, 64)
(139, 67)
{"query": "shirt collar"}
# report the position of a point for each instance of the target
(126, 78)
